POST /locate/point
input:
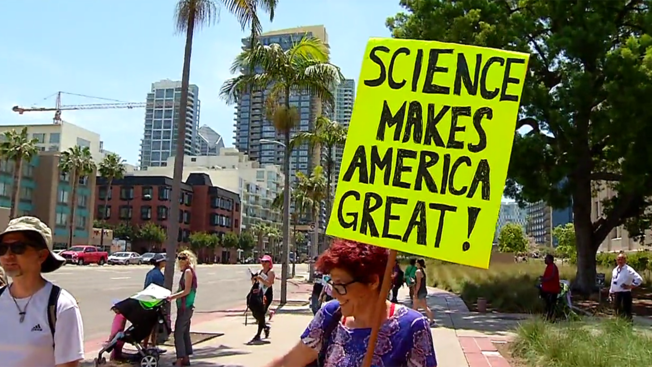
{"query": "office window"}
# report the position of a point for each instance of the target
(82, 201)
(188, 199)
(186, 217)
(146, 212)
(125, 212)
(62, 196)
(180, 216)
(61, 219)
(148, 193)
(5, 189)
(26, 193)
(163, 193)
(162, 212)
(103, 212)
(39, 136)
(80, 221)
(28, 170)
(103, 192)
(126, 193)
(55, 138)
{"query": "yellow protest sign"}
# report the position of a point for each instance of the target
(426, 158)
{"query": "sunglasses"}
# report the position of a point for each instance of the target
(17, 248)
(182, 258)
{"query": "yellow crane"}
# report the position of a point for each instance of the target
(94, 106)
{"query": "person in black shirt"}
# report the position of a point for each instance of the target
(317, 287)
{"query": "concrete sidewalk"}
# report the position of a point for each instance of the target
(461, 338)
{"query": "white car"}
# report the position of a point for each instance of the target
(124, 258)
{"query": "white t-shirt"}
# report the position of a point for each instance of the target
(29, 344)
(262, 274)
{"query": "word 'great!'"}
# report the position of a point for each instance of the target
(434, 67)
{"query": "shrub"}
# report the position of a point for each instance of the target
(605, 344)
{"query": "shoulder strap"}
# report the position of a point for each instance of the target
(332, 325)
(53, 300)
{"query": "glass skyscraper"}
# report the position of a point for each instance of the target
(251, 125)
(161, 121)
(344, 98)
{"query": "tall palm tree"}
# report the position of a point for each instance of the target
(329, 135)
(259, 230)
(273, 234)
(301, 203)
(17, 147)
(112, 167)
(191, 15)
(313, 187)
(76, 163)
(304, 67)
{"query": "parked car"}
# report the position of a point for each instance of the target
(124, 258)
(146, 257)
(82, 255)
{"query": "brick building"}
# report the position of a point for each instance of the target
(141, 199)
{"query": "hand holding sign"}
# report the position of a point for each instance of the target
(431, 134)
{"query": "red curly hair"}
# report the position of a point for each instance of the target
(364, 262)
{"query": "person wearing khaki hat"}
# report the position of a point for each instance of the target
(44, 321)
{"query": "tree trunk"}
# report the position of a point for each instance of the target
(585, 241)
(261, 247)
(15, 191)
(294, 271)
(329, 194)
(73, 208)
(173, 228)
(106, 202)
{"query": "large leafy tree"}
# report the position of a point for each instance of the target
(77, 163)
(584, 102)
(191, 15)
(19, 149)
(512, 239)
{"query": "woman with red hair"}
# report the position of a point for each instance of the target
(339, 333)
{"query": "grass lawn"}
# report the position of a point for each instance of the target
(510, 287)
(607, 343)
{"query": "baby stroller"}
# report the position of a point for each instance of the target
(563, 305)
(145, 311)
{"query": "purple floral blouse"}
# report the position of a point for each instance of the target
(404, 340)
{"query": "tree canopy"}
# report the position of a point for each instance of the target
(584, 121)
(512, 239)
(565, 237)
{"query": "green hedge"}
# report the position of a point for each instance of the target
(640, 260)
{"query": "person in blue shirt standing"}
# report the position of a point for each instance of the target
(155, 276)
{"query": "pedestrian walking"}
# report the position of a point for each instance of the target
(185, 297)
(265, 278)
(420, 300)
(397, 282)
(41, 321)
(411, 276)
(155, 276)
(623, 279)
(338, 335)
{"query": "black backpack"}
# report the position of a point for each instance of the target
(53, 300)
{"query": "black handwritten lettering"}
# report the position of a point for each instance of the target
(392, 83)
(389, 217)
(451, 179)
(453, 143)
(507, 79)
(428, 85)
(414, 124)
(442, 216)
(427, 159)
(387, 118)
(462, 75)
(353, 223)
(418, 220)
(432, 134)
(480, 113)
(383, 163)
(400, 168)
(373, 55)
(367, 220)
(359, 162)
(484, 92)
(481, 177)
(417, 70)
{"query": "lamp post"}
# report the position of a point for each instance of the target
(286, 220)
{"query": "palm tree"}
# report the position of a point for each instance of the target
(313, 187)
(329, 135)
(304, 67)
(273, 234)
(76, 163)
(259, 230)
(301, 203)
(17, 147)
(111, 167)
(191, 14)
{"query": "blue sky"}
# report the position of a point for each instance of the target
(116, 49)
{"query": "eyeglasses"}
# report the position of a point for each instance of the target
(340, 288)
(182, 258)
(17, 248)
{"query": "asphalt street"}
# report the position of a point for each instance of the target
(220, 287)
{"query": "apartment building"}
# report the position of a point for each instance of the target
(344, 99)
(618, 239)
(257, 184)
(204, 207)
(61, 137)
(251, 125)
(209, 141)
(161, 123)
(542, 219)
(46, 193)
(510, 212)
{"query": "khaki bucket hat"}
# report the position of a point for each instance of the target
(33, 224)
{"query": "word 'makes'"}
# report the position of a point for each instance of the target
(430, 136)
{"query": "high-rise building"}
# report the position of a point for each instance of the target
(344, 97)
(161, 122)
(251, 125)
(209, 141)
(510, 212)
(542, 219)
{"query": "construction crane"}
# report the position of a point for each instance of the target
(95, 106)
